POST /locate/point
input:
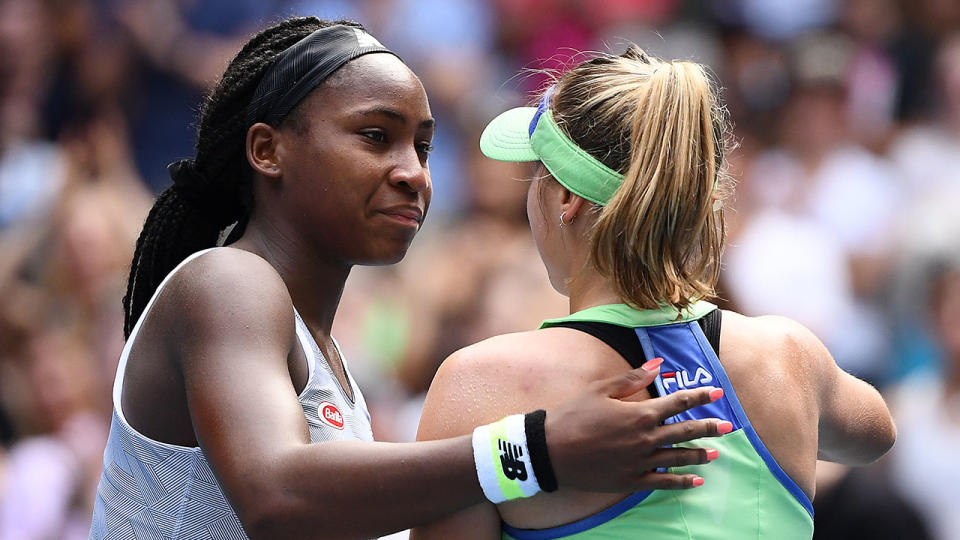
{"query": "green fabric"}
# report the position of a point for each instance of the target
(740, 499)
(572, 166)
(507, 138)
(624, 315)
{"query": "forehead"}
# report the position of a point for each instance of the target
(372, 79)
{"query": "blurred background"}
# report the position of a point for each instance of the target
(846, 217)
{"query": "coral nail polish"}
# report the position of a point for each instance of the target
(652, 364)
(716, 394)
(697, 482)
(724, 427)
(712, 454)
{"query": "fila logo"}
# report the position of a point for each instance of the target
(513, 467)
(330, 415)
(682, 378)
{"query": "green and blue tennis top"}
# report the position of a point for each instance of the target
(746, 494)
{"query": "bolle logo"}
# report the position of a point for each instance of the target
(682, 378)
(330, 415)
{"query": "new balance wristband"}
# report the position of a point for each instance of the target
(511, 457)
(535, 427)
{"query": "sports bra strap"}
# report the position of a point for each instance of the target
(710, 324)
(619, 338)
(624, 340)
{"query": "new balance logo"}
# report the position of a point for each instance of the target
(682, 378)
(513, 467)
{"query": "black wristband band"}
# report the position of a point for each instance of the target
(534, 424)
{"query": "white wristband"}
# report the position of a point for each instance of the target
(502, 459)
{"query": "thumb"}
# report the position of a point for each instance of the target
(631, 382)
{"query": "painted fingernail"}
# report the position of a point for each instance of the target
(697, 482)
(724, 427)
(712, 454)
(716, 394)
(652, 364)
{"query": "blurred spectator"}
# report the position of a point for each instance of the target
(818, 246)
(927, 407)
(872, 82)
(50, 476)
(862, 504)
(929, 153)
(179, 48)
(778, 19)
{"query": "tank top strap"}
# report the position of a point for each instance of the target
(689, 361)
(128, 345)
(307, 343)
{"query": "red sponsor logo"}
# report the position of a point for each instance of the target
(330, 415)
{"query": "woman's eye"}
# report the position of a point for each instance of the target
(376, 136)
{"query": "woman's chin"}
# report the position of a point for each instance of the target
(561, 285)
(384, 257)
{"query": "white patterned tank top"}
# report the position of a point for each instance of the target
(150, 489)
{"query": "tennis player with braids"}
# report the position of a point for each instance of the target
(626, 211)
(234, 413)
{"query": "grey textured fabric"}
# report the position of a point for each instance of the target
(154, 490)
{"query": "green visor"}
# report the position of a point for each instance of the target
(531, 134)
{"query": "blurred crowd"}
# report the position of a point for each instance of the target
(846, 216)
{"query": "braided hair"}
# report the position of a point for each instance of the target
(214, 189)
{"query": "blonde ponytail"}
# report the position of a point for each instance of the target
(660, 124)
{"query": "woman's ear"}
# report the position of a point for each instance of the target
(571, 204)
(262, 142)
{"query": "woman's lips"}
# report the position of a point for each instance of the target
(409, 216)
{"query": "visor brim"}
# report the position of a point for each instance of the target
(507, 137)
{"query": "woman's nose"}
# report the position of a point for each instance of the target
(410, 173)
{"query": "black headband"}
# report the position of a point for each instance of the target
(303, 66)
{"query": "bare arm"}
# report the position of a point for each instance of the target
(231, 341)
(855, 425)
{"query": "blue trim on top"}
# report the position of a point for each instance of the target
(734, 401)
(584, 524)
(682, 354)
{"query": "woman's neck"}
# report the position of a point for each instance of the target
(589, 289)
(315, 282)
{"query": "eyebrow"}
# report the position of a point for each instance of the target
(395, 115)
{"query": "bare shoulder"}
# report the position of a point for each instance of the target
(224, 292)
(770, 337)
(229, 270)
(847, 417)
(517, 353)
(506, 374)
